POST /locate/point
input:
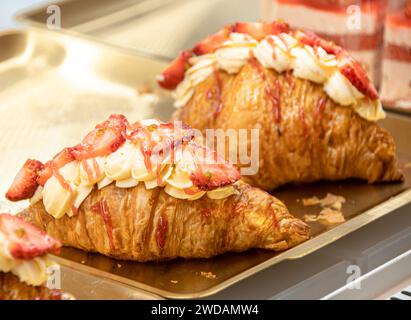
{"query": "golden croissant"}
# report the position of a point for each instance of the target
(147, 192)
(312, 103)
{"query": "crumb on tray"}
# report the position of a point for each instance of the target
(331, 213)
(174, 281)
(330, 200)
(208, 275)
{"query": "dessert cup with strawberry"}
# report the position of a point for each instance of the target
(313, 104)
(356, 25)
(396, 79)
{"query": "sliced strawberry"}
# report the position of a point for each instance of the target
(162, 138)
(25, 183)
(259, 30)
(211, 43)
(115, 121)
(174, 73)
(355, 73)
(24, 240)
(211, 171)
(106, 138)
(313, 40)
(60, 160)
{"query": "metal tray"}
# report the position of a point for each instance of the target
(53, 87)
(145, 24)
(148, 25)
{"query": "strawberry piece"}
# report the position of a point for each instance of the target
(25, 183)
(211, 171)
(349, 67)
(213, 42)
(106, 138)
(175, 71)
(313, 40)
(24, 240)
(259, 30)
(355, 73)
(60, 160)
(116, 121)
(161, 139)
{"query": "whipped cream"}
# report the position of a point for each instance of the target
(280, 53)
(126, 167)
(34, 272)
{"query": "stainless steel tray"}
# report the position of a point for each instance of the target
(54, 87)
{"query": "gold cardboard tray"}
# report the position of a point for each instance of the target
(161, 27)
(54, 87)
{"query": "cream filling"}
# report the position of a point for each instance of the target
(125, 167)
(280, 53)
(34, 272)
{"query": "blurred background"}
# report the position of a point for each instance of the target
(9, 8)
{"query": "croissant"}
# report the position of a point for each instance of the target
(313, 105)
(24, 261)
(147, 192)
(11, 288)
(145, 225)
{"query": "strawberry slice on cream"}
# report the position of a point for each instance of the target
(24, 250)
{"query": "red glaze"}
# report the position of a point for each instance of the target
(161, 231)
(218, 89)
(24, 240)
(321, 102)
(106, 138)
(25, 183)
(206, 213)
(211, 171)
(213, 42)
(102, 209)
(60, 160)
(273, 97)
(160, 140)
(174, 73)
(259, 30)
(313, 40)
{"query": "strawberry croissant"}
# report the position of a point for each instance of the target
(147, 191)
(24, 263)
(313, 104)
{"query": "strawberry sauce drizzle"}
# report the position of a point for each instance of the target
(102, 209)
(219, 104)
(61, 180)
(275, 97)
(161, 231)
(88, 170)
(321, 102)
